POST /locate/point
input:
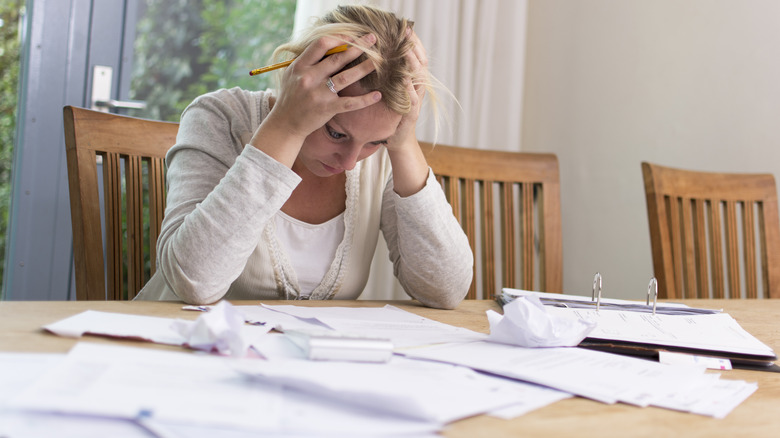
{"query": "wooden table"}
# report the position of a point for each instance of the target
(759, 415)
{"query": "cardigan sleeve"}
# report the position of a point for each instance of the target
(431, 255)
(221, 195)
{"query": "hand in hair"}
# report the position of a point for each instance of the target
(410, 169)
(418, 60)
(305, 102)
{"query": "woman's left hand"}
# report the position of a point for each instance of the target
(418, 61)
(410, 170)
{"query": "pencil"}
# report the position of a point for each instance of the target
(268, 68)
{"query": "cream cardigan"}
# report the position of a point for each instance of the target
(218, 236)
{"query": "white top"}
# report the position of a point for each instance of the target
(310, 248)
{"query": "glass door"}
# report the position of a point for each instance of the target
(161, 53)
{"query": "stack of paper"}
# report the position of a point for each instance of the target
(604, 377)
(621, 328)
(206, 395)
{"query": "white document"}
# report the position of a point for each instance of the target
(408, 388)
(195, 395)
(712, 363)
(709, 395)
(539, 398)
(404, 329)
(118, 325)
(205, 333)
(604, 377)
(177, 387)
(268, 317)
(19, 370)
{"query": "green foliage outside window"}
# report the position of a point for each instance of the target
(185, 48)
(10, 13)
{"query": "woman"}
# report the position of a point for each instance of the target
(282, 196)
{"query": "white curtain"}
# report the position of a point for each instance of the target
(476, 48)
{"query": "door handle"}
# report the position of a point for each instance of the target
(112, 104)
(101, 92)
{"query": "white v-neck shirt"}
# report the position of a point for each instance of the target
(310, 248)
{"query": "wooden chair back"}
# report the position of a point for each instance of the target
(713, 235)
(132, 152)
(508, 203)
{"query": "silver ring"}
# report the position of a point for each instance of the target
(330, 85)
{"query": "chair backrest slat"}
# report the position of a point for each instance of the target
(732, 247)
(751, 270)
(134, 211)
(713, 235)
(527, 194)
(700, 245)
(132, 151)
(518, 206)
(716, 249)
(112, 199)
(508, 231)
(488, 238)
(156, 205)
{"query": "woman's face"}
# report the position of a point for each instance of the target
(348, 137)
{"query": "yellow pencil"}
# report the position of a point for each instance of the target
(268, 68)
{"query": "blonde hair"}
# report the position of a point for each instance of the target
(348, 24)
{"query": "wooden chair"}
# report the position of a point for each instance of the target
(132, 152)
(707, 231)
(513, 199)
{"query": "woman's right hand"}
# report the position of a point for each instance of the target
(305, 102)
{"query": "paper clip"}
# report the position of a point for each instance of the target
(596, 284)
(652, 288)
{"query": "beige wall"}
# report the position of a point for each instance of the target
(609, 84)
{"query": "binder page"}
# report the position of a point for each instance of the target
(580, 302)
(718, 332)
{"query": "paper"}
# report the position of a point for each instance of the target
(144, 328)
(540, 396)
(195, 395)
(177, 387)
(404, 329)
(604, 377)
(526, 323)
(709, 396)
(717, 332)
(712, 363)
(579, 302)
(220, 330)
(19, 370)
(407, 388)
(268, 317)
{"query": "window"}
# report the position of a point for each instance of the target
(186, 48)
